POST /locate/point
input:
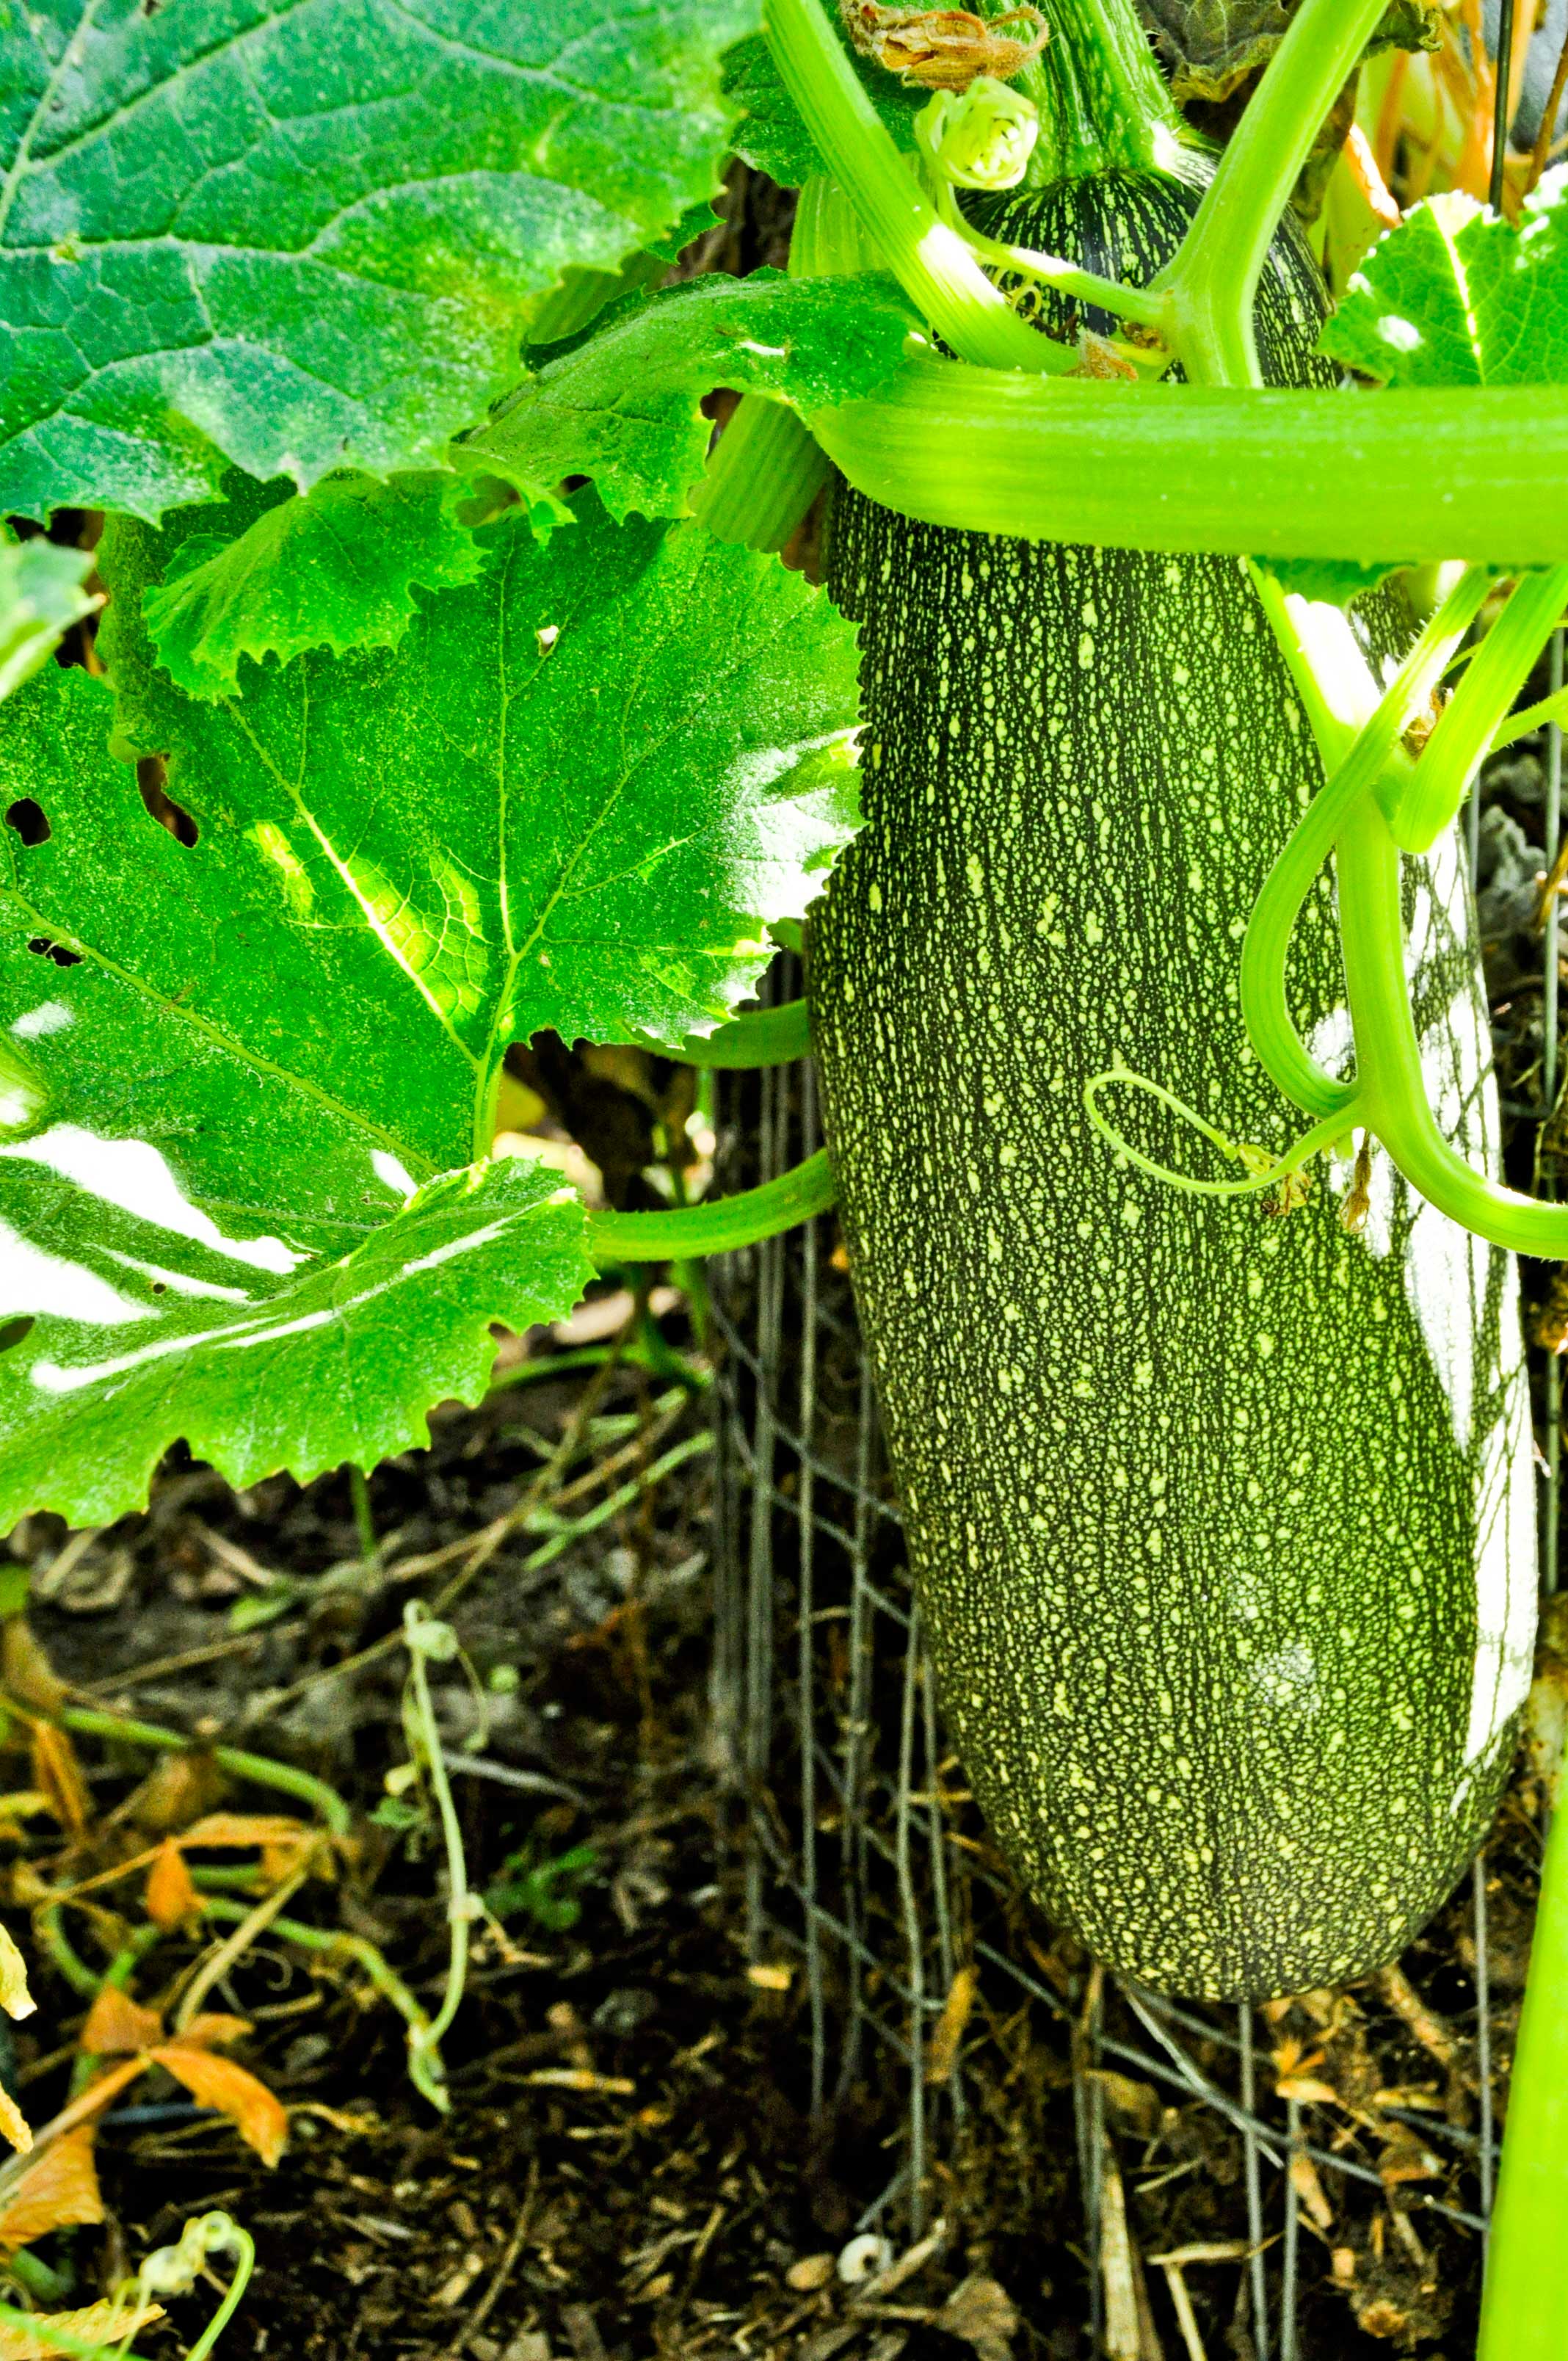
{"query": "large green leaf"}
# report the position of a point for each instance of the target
(199, 1235)
(575, 796)
(308, 232)
(40, 597)
(333, 568)
(623, 404)
(1455, 296)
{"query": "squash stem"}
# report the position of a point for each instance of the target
(1212, 281)
(718, 1228)
(931, 263)
(1524, 2301)
(1266, 943)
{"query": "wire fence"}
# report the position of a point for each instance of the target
(867, 1875)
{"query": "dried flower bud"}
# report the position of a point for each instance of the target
(944, 49)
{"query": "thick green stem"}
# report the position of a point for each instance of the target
(930, 261)
(1432, 793)
(1391, 1090)
(1213, 283)
(719, 1227)
(764, 473)
(1264, 473)
(1524, 2301)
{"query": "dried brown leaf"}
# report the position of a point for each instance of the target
(1309, 2091)
(25, 1668)
(118, 2027)
(57, 1775)
(215, 2031)
(238, 1831)
(176, 1790)
(171, 1899)
(255, 2112)
(58, 2191)
(983, 2314)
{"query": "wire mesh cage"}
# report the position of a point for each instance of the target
(1147, 2179)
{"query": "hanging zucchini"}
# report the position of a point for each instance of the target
(1221, 1512)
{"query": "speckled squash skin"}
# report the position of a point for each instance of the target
(1222, 1522)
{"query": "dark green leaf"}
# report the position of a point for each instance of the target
(622, 405)
(1212, 46)
(309, 234)
(335, 568)
(772, 136)
(1335, 582)
(1456, 297)
(40, 597)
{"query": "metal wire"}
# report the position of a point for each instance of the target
(850, 1868)
(1502, 114)
(1254, 2191)
(1549, 1015)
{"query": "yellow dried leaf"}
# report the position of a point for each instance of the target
(108, 2322)
(15, 1997)
(1304, 2180)
(1311, 2092)
(171, 1899)
(948, 2030)
(57, 2192)
(14, 2124)
(233, 1831)
(118, 2027)
(257, 2115)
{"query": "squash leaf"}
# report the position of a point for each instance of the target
(306, 234)
(1456, 297)
(1212, 46)
(332, 567)
(622, 404)
(40, 597)
(243, 1081)
(772, 135)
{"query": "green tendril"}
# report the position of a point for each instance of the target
(1264, 1171)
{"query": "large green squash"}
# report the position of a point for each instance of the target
(1223, 1521)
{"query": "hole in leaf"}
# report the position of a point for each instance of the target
(27, 819)
(13, 1330)
(151, 772)
(160, 1286)
(56, 951)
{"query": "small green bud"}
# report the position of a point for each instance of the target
(982, 138)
